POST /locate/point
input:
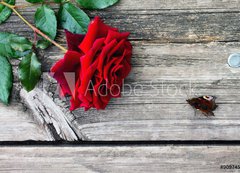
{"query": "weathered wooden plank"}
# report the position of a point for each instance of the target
(119, 159)
(170, 73)
(149, 118)
(170, 4)
(165, 116)
(170, 91)
(143, 117)
(161, 104)
(159, 25)
(158, 110)
(147, 54)
(48, 115)
(16, 124)
(151, 130)
(157, 122)
(181, 4)
(166, 91)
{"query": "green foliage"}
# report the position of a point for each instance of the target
(35, 1)
(70, 17)
(96, 4)
(29, 71)
(59, 1)
(5, 12)
(73, 19)
(13, 46)
(43, 44)
(6, 79)
(46, 21)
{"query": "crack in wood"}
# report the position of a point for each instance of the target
(54, 132)
(48, 115)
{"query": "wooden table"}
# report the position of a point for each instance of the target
(180, 51)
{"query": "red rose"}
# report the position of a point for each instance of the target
(99, 60)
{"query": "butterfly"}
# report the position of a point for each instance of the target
(205, 104)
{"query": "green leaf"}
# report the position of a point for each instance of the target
(6, 79)
(34, 1)
(19, 43)
(59, 1)
(18, 54)
(29, 71)
(5, 12)
(96, 4)
(46, 21)
(73, 19)
(43, 44)
(13, 46)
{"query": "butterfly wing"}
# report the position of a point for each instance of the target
(205, 104)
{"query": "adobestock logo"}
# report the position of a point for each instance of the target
(153, 88)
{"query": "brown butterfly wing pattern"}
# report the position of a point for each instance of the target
(205, 104)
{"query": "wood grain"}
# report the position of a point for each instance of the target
(170, 4)
(173, 5)
(16, 124)
(48, 115)
(161, 21)
(119, 159)
(160, 25)
(158, 111)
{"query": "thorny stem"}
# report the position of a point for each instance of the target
(12, 7)
(35, 38)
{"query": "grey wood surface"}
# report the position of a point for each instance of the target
(180, 51)
(124, 159)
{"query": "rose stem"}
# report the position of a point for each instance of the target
(12, 7)
(35, 39)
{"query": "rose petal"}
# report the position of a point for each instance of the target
(57, 65)
(107, 69)
(112, 35)
(104, 53)
(118, 71)
(86, 81)
(75, 103)
(117, 50)
(73, 40)
(115, 90)
(88, 58)
(112, 66)
(97, 29)
(70, 63)
(102, 97)
(128, 49)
